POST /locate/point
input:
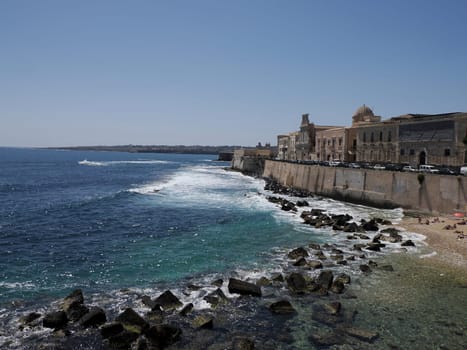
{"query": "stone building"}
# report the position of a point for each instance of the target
(412, 138)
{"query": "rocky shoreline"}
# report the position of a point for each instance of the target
(243, 314)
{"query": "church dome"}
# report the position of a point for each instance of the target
(363, 111)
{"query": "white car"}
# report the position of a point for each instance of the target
(463, 170)
(425, 168)
(410, 168)
(379, 167)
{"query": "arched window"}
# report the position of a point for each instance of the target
(372, 139)
(364, 137)
(380, 136)
(389, 136)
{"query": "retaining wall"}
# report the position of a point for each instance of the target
(379, 188)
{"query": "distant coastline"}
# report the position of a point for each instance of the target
(195, 149)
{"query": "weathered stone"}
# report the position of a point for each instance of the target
(300, 262)
(95, 317)
(61, 333)
(218, 283)
(299, 252)
(203, 321)
(302, 203)
(296, 282)
(168, 300)
(122, 340)
(243, 288)
(408, 243)
(242, 343)
(282, 307)
(76, 311)
(370, 225)
(132, 321)
(344, 278)
(75, 297)
(155, 316)
(320, 255)
(55, 320)
(326, 338)
(361, 334)
(388, 268)
(162, 336)
(314, 246)
(350, 227)
(365, 268)
(337, 287)
(263, 281)
(359, 246)
(216, 297)
(376, 247)
(333, 308)
(186, 309)
(277, 277)
(146, 300)
(29, 319)
(315, 264)
(193, 287)
(324, 279)
(111, 329)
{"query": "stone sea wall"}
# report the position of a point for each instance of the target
(387, 189)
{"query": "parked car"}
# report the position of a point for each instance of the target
(448, 171)
(426, 168)
(395, 167)
(411, 169)
(334, 163)
(463, 170)
(354, 166)
(379, 167)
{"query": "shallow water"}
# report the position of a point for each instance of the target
(123, 225)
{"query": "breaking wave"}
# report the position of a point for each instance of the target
(118, 162)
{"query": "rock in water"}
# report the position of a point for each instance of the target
(111, 329)
(168, 300)
(132, 321)
(296, 282)
(282, 307)
(361, 334)
(95, 317)
(299, 252)
(243, 288)
(325, 279)
(163, 335)
(203, 321)
(55, 320)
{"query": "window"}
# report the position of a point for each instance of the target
(380, 136)
(447, 152)
(355, 143)
(364, 137)
(333, 142)
(389, 136)
(340, 141)
(372, 138)
(402, 152)
(412, 152)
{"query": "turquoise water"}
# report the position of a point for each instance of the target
(121, 225)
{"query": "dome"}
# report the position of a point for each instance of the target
(363, 111)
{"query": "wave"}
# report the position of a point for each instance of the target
(118, 162)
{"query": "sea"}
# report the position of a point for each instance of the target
(122, 225)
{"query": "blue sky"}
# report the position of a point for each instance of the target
(220, 72)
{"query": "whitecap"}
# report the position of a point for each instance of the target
(117, 162)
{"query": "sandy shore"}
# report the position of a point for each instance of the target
(447, 236)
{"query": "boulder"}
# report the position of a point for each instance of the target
(376, 247)
(216, 297)
(296, 282)
(55, 320)
(315, 264)
(326, 339)
(337, 287)
(203, 322)
(263, 281)
(147, 301)
(95, 317)
(300, 262)
(299, 252)
(361, 334)
(111, 329)
(302, 203)
(370, 225)
(343, 277)
(218, 283)
(242, 343)
(388, 268)
(282, 307)
(365, 268)
(186, 309)
(243, 288)
(75, 297)
(30, 319)
(161, 336)
(333, 308)
(350, 227)
(408, 243)
(122, 340)
(277, 277)
(325, 278)
(132, 321)
(168, 300)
